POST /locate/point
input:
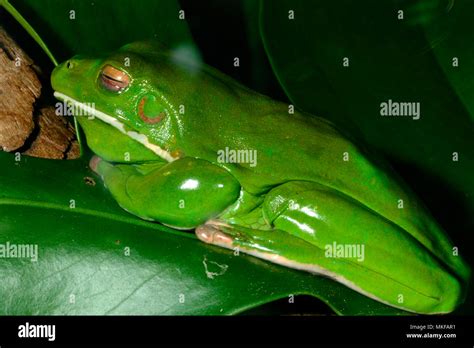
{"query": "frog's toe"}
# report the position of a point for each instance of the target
(220, 233)
(211, 234)
(94, 163)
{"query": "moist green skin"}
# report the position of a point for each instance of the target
(300, 197)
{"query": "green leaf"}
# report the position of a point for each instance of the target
(448, 32)
(83, 267)
(19, 18)
(94, 27)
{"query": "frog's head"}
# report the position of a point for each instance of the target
(121, 102)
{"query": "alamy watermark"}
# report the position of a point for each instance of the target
(68, 109)
(19, 251)
(228, 155)
(394, 108)
(345, 251)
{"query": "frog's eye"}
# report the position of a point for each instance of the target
(113, 79)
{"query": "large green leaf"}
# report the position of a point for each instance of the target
(83, 266)
(93, 27)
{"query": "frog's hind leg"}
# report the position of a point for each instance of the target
(320, 230)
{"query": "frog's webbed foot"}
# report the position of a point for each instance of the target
(247, 240)
(276, 246)
(94, 164)
(211, 233)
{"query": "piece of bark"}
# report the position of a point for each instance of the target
(19, 89)
(24, 128)
(56, 137)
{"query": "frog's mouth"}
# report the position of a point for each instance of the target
(112, 121)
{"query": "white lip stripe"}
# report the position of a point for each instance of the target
(117, 124)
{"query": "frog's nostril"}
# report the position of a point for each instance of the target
(69, 64)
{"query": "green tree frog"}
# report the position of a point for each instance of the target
(182, 144)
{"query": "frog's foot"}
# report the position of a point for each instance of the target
(100, 166)
(272, 245)
(94, 163)
(211, 233)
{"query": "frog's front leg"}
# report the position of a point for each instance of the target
(181, 194)
(316, 229)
